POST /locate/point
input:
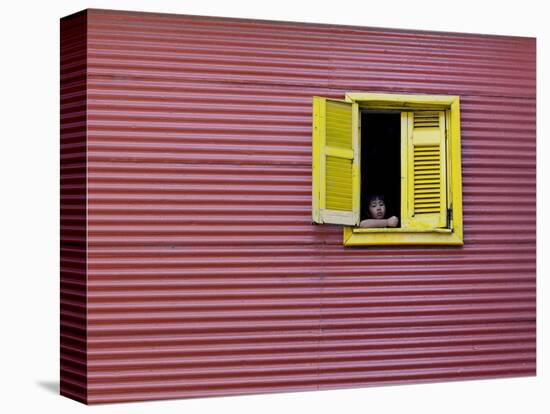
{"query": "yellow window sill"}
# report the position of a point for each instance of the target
(355, 236)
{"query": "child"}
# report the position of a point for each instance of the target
(377, 213)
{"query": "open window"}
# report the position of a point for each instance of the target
(380, 142)
(404, 147)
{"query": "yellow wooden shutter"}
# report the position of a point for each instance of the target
(426, 191)
(336, 177)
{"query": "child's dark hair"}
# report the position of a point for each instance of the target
(375, 196)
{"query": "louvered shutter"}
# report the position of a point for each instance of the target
(336, 176)
(426, 171)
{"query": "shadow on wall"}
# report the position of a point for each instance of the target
(51, 386)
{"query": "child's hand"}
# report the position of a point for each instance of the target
(393, 221)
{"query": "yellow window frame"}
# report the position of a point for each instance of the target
(356, 236)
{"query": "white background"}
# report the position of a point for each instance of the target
(29, 207)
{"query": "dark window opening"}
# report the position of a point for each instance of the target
(381, 160)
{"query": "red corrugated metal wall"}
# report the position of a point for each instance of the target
(73, 208)
(204, 273)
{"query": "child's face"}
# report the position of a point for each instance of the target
(377, 208)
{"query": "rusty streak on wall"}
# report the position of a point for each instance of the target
(196, 270)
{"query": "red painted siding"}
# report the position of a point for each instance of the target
(73, 243)
(204, 273)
